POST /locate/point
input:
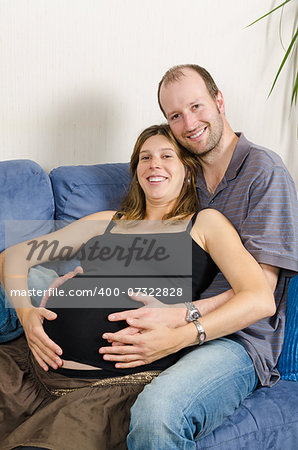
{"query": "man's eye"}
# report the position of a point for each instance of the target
(175, 116)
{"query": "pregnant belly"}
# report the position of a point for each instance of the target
(78, 331)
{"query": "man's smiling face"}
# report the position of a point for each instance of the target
(194, 116)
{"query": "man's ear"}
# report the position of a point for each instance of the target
(220, 102)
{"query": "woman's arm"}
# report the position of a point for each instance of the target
(253, 299)
(15, 263)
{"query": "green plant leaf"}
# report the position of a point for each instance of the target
(279, 28)
(295, 91)
(267, 14)
(284, 60)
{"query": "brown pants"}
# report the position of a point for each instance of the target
(49, 410)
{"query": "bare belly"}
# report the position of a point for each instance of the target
(76, 365)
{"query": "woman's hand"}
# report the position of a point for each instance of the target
(43, 348)
(57, 283)
(154, 342)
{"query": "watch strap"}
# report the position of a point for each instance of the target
(201, 332)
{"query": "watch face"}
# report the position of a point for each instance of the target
(195, 315)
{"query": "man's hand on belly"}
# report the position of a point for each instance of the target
(155, 311)
(154, 342)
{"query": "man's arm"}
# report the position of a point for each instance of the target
(174, 316)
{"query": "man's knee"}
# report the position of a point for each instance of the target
(152, 408)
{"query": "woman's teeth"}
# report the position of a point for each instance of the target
(156, 179)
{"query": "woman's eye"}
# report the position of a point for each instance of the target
(144, 158)
(195, 106)
(167, 156)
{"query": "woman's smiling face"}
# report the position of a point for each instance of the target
(160, 172)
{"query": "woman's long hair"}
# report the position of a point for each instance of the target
(133, 206)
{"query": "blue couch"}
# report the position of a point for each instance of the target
(268, 418)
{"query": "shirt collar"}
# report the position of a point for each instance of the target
(239, 155)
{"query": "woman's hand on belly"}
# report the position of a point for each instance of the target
(58, 282)
(43, 348)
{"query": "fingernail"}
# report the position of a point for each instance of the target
(112, 317)
(104, 336)
(59, 352)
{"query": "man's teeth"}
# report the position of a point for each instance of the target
(156, 178)
(194, 136)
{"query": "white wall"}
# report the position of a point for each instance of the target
(78, 78)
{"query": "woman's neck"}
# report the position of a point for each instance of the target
(157, 212)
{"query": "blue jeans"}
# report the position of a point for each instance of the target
(190, 399)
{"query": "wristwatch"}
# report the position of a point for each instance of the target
(192, 312)
(201, 332)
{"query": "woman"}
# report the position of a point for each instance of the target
(85, 401)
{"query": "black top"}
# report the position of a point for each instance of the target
(113, 263)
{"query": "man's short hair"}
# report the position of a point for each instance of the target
(176, 72)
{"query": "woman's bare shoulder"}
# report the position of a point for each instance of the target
(101, 215)
(211, 218)
(211, 224)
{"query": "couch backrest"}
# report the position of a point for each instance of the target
(82, 190)
(25, 193)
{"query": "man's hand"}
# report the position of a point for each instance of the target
(154, 342)
(172, 316)
(154, 311)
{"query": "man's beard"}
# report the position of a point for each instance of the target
(212, 143)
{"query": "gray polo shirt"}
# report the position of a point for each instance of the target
(258, 195)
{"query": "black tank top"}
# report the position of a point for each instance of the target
(109, 266)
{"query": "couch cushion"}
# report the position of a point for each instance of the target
(26, 196)
(27, 211)
(267, 419)
(83, 190)
(288, 361)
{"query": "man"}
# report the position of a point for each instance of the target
(251, 186)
